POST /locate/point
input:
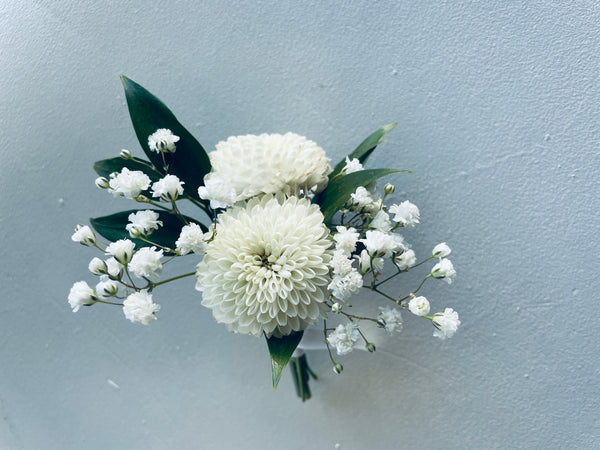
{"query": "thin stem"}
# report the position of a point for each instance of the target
(176, 211)
(109, 303)
(327, 342)
(352, 316)
(130, 279)
(173, 279)
(412, 294)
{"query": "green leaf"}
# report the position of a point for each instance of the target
(190, 161)
(281, 350)
(339, 189)
(107, 166)
(364, 150)
(113, 228)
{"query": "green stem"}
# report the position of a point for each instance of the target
(173, 279)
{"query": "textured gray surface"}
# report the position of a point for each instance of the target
(498, 111)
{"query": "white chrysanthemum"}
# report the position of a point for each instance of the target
(441, 250)
(191, 239)
(162, 140)
(143, 221)
(391, 319)
(405, 260)
(218, 190)
(419, 306)
(168, 188)
(122, 250)
(444, 270)
(344, 337)
(146, 262)
(81, 295)
(406, 214)
(138, 307)
(270, 163)
(129, 183)
(352, 166)
(267, 269)
(446, 323)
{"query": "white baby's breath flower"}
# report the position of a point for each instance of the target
(340, 263)
(168, 188)
(267, 268)
(162, 140)
(446, 323)
(406, 214)
(390, 318)
(218, 190)
(122, 250)
(361, 197)
(383, 244)
(191, 239)
(343, 286)
(84, 235)
(381, 222)
(145, 222)
(271, 163)
(138, 307)
(344, 337)
(146, 262)
(352, 166)
(129, 183)
(365, 262)
(441, 250)
(102, 183)
(81, 295)
(345, 239)
(405, 260)
(444, 270)
(419, 306)
(107, 288)
(114, 268)
(98, 267)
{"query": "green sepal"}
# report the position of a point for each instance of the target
(189, 162)
(113, 228)
(107, 166)
(338, 191)
(281, 350)
(366, 147)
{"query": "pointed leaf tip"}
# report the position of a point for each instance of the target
(281, 350)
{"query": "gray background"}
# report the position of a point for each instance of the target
(498, 111)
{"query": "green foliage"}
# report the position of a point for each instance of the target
(281, 350)
(107, 166)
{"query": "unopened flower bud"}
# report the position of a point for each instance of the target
(441, 250)
(122, 250)
(142, 199)
(389, 189)
(102, 183)
(381, 323)
(337, 368)
(107, 288)
(98, 267)
(370, 347)
(445, 270)
(135, 232)
(125, 154)
(336, 307)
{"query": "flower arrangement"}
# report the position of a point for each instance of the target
(286, 240)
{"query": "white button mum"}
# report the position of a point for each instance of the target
(344, 337)
(270, 163)
(267, 269)
(138, 307)
(162, 140)
(446, 323)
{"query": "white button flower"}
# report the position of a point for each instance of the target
(84, 235)
(218, 190)
(344, 337)
(138, 307)
(162, 140)
(419, 306)
(441, 250)
(129, 183)
(192, 239)
(146, 262)
(446, 323)
(406, 214)
(144, 222)
(81, 295)
(168, 188)
(122, 250)
(390, 318)
(444, 270)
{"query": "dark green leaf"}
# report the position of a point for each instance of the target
(107, 166)
(364, 150)
(339, 189)
(113, 228)
(190, 161)
(281, 350)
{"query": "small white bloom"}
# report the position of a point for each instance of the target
(168, 188)
(162, 140)
(446, 323)
(218, 190)
(344, 286)
(379, 243)
(344, 337)
(391, 318)
(98, 267)
(84, 235)
(389, 188)
(419, 306)
(191, 239)
(125, 154)
(361, 197)
(122, 250)
(340, 263)
(352, 166)
(381, 222)
(114, 268)
(81, 295)
(144, 221)
(405, 260)
(138, 307)
(441, 250)
(107, 288)
(336, 307)
(129, 183)
(406, 213)
(345, 239)
(445, 270)
(365, 262)
(146, 262)
(102, 183)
